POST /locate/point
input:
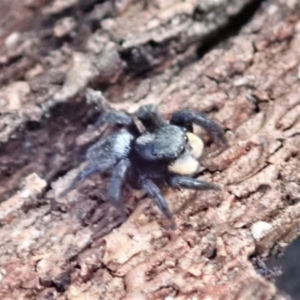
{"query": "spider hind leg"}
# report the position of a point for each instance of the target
(82, 175)
(115, 185)
(103, 156)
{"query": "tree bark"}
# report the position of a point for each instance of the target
(56, 75)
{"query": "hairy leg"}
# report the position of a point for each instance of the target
(150, 117)
(105, 153)
(116, 117)
(115, 186)
(103, 156)
(178, 181)
(83, 174)
(186, 118)
(155, 194)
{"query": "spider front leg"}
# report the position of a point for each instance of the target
(150, 117)
(115, 117)
(187, 117)
(186, 182)
(114, 190)
(155, 194)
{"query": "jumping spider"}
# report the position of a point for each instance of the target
(162, 153)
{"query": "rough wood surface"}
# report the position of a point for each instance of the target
(76, 247)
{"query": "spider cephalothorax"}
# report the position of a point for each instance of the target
(148, 152)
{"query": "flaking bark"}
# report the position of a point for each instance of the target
(76, 247)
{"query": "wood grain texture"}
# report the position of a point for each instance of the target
(76, 247)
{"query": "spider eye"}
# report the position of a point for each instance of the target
(186, 138)
(154, 153)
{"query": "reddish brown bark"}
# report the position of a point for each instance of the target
(75, 247)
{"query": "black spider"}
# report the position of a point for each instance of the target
(162, 153)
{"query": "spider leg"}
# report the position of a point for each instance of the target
(192, 183)
(150, 117)
(186, 118)
(83, 174)
(103, 156)
(154, 192)
(116, 117)
(115, 186)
